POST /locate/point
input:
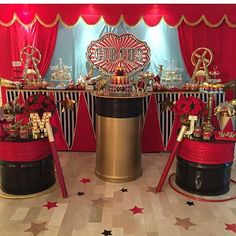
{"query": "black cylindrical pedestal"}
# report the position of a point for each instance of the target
(203, 179)
(22, 178)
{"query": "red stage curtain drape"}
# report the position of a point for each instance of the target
(16, 36)
(68, 14)
(221, 40)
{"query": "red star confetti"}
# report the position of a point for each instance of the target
(185, 223)
(36, 228)
(136, 210)
(231, 227)
(50, 205)
(84, 181)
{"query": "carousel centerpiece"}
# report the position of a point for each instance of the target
(172, 77)
(61, 76)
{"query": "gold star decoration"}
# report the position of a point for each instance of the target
(67, 104)
(185, 223)
(37, 228)
(167, 104)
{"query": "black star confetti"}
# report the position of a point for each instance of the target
(190, 203)
(124, 190)
(80, 193)
(106, 232)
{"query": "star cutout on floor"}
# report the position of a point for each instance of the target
(50, 205)
(167, 104)
(124, 190)
(36, 228)
(106, 232)
(80, 193)
(151, 190)
(84, 180)
(185, 223)
(99, 202)
(231, 227)
(67, 104)
(136, 210)
(190, 203)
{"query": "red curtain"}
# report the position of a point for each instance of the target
(69, 14)
(16, 36)
(221, 40)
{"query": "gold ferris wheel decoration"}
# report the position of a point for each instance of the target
(30, 57)
(201, 59)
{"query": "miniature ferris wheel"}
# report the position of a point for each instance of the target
(30, 56)
(201, 59)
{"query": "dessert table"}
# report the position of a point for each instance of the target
(77, 128)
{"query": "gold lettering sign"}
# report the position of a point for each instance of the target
(39, 125)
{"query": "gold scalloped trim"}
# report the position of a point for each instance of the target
(58, 18)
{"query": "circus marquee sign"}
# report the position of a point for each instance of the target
(112, 51)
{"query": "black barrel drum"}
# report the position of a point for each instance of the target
(204, 168)
(26, 167)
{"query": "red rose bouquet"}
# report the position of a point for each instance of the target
(186, 106)
(39, 103)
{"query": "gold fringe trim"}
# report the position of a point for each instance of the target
(58, 18)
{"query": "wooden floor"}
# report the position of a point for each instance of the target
(95, 207)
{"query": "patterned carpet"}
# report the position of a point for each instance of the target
(95, 207)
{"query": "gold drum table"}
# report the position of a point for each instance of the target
(118, 125)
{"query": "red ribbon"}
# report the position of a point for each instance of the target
(24, 151)
(213, 152)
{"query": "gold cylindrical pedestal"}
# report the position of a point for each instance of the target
(118, 154)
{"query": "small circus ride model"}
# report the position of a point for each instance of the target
(30, 57)
(171, 77)
(119, 84)
(201, 59)
(61, 75)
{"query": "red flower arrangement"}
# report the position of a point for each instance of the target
(39, 103)
(186, 106)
